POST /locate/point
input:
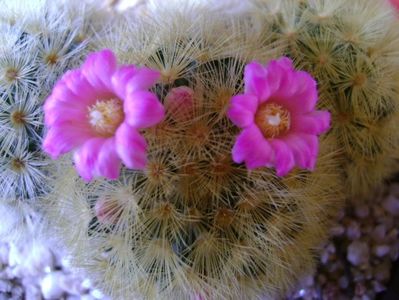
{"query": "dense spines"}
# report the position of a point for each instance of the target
(38, 43)
(351, 48)
(194, 223)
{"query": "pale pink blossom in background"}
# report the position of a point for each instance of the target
(278, 117)
(97, 112)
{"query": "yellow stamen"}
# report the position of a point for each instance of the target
(272, 119)
(105, 116)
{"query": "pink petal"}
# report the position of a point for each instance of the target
(279, 76)
(142, 109)
(131, 147)
(60, 112)
(80, 87)
(108, 163)
(285, 63)
(121, 78)
(86, 158)
(395, 4)
(62, 139)
(315, 122)
(62, 93)
(304, 98)
(144, 79)
(242, 110)
(99, 68)
(274, 76)
(284, 158)
(256, 81)
(251, 148)
(287, 86)
(304, 148)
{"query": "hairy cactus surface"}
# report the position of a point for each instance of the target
(38, 42)
(351, 47)
(194, 224)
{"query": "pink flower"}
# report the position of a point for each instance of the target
(278, 117)
(179, 103)
(97, 111)
(395, 4)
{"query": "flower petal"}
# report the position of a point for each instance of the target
(142, 109)
(256, 81)
(86, 158)
(99, 68)
(251, 148)
(62, 139)
(121, 78)
(285, 63)
(83, 91)
(108, 163)
(62, 93)
(242, 110)
(316, 122)
(56, 112)
(303, 99)
(287, 86)
(144, 79)
(131, 147)
(274, 76)
(305, 149)
(283, 157)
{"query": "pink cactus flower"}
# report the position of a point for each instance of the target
(179, 103)
(395, 4)
(278, 117)
(97, 112)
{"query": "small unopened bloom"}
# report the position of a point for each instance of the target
(179, 103)
(107, 211)
(97, 112)
(278, 117)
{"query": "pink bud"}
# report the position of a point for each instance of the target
(107, 211)
(179, 103)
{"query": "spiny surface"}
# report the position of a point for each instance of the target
(37, 44)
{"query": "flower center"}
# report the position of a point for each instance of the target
(272, 119)
(106, 115)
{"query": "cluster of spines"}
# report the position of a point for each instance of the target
(194, 223)
(351, 48)
(37, 46)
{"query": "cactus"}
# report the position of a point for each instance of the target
(38, 43)
(351, 47)
(194, 224)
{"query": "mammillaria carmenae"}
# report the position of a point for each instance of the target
(194, 223)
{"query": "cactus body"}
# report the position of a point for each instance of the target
(194, 223)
